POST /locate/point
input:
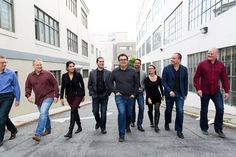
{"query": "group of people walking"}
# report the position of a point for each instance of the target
(128, 85)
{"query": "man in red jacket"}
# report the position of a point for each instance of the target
(206, 81)
(46, 91)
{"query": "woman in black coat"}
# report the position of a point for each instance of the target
(154, 95)
(73, 84)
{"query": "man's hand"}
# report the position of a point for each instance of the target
(31, 99)
(132, 96)
(118, 93)
(55, 100)
(226, 96)
(199, 93)
(172, 94)
(17, 103)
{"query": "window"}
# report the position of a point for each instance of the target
(201, 11)
(6, 15)
(84, 18)
(46, 28)
(85, 73)
(148, 45)
(72, 6)
(126, 48)
(57, 75)
(96, 52)
(156, 39)
(92, 49)
(84, 48)
(143, 49)
(72, 41)
(158, 67)
(157, 5)
(173, 26)
(166, 62)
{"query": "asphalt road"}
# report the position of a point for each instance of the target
(91, 143)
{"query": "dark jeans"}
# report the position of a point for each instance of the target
(179, 103)
(6, 101)
(219, 106)
(140, 100)
(124, 106)
(100, 103)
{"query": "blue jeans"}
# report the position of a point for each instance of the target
(219, 105)
(140, 100)
(100, 102)
(6, 101)
(124, 106)
(44, 122)
(179, 103)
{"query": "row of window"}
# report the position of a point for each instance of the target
(199, 12)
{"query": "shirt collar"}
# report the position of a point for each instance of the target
(214, 62)
(41, 72)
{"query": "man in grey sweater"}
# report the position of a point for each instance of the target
(124, 84)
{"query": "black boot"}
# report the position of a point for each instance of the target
(77, 120)
(72, 123)
(150, 115)
(157, 117)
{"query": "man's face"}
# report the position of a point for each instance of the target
(175, 59)
(38, 66)
(212, 54)
(137, 64)
(123, 61)
(3, 63)
(100, 63)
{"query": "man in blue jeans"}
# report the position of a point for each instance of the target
(46, 91)
(9, 89)
(98, 85)
(124, 84)
(175, 82)
(139, 97)
(206, 81)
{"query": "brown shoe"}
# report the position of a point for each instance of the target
(46, 132)
(36, 138)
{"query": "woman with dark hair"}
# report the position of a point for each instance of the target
(154, 95)
(73, 84)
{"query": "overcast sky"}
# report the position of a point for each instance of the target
(113, 16)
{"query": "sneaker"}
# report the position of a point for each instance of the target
(180, 135)
(205, 132)
(36, 138)
(132, 124)
(220, 134)
(103, 131)
(46, 132)
(128, 130)
(121, 139)
(140, 128)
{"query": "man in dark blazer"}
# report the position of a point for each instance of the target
(175, 82)
(99, 90)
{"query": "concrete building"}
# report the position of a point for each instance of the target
(190, 27)
(55, 31)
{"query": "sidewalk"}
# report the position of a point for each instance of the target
(191, 108)
(28, 118)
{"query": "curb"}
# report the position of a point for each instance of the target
(35, 118)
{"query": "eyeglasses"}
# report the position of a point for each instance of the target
(122, 59)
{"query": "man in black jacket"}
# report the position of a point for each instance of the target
(99, 90)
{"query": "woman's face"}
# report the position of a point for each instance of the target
(151, 70)
(71, 68)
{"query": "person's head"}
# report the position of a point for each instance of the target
(100, 63)
(176, 58)
(151, 69)
(123, 60)
(137, 64)
(212, 54)
(3, 63)
(38, 65)
(70, 66)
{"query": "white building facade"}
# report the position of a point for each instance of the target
(55, 31)
(190, 27)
